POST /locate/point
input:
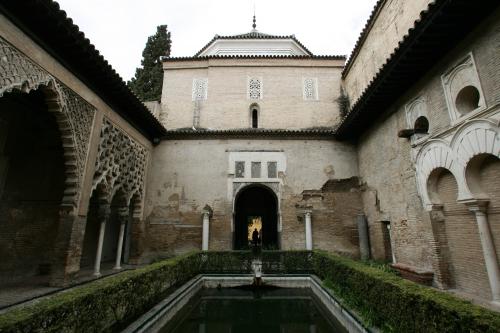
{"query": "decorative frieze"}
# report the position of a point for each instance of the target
(18, 72)
(121, 163)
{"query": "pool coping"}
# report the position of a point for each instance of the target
(166, 309)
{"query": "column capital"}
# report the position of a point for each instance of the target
(477, 206)
(435, 207)
(104, 211)
(123, 212)
(207, 211)
(306, 210)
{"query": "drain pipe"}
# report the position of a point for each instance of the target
(364, 239)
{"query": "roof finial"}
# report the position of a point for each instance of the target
(254, 25)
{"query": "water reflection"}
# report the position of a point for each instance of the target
(236, 310)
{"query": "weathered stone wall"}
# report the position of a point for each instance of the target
(186, 175)
(387, 169)
(390, 194)
(391, 22)
(227, 104)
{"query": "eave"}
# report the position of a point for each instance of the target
(440, 28)
(46, 24)
(250, 133)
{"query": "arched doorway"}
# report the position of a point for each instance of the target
(256, 206)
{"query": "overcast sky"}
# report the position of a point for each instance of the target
(119, 28)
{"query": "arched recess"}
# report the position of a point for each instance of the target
(132, 245)
(434, 155)
(120, 170)
(256, 201)
(458, 237)
(98, 204)
(33, 184)
(483, 178)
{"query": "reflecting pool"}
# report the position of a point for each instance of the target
(280, 310)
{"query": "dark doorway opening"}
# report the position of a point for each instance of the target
(32, 183)
(253, 203)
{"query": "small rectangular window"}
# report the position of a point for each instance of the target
(255, 169)
(239, 169)
(271, 170)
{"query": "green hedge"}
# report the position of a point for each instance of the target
(105, 305)
(396, 305)
(240, 262)
(381, 298)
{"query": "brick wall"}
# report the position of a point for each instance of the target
(489, 182)
(468, 270)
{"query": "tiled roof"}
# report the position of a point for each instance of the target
(254, 35)
(313, 57)
(49, 27)
(438, 30)
(250, 132)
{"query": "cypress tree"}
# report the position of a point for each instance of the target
(148, 79)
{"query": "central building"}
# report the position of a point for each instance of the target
(250, 144)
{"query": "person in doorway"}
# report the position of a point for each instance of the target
(255, 237)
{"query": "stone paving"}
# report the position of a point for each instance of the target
(33, 289)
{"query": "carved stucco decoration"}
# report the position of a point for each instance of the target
(475, 137)
(121, 163)
(73, 114)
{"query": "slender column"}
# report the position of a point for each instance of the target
(103, 214)
(206, 224)
(123, 215)
(489, 253)
(307, 219)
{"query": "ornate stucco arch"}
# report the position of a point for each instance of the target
(473, 138)
(121, 164)
(74, 116)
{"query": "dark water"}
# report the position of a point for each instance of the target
(235, 310)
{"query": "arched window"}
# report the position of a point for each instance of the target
(254, 116)
(421, 125)
(467, 100)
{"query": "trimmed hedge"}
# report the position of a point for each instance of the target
(106, 305)
(240, 262)
(380, 297)
(396, 305)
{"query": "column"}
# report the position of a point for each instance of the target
(364, 242)
(103, 216)
(205, 235)
(489, 253)
(123, 216)
(307, 219)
